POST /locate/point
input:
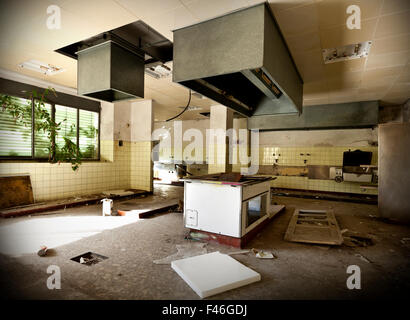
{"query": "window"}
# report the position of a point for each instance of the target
(24, 137)
(88, 134)
(41, 139)
(16, 135)
(67, 118)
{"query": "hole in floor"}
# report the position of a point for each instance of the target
(89, 258)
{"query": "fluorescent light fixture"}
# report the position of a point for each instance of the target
(41, 67)
(349, 52)
(191, 108)
(158, 71)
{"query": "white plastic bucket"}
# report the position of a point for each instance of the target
(107, 207)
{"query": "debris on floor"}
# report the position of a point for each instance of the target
(356, 239)
(214, 273)
(238, 252)
(180, 207)
(185, 250)
(43, 251)
(314, 226)
(121, 193)
(46, 252)
(198, 236)
(405, 242)
(263, 254)
(122, 213)
(363, 258)
(89, 258)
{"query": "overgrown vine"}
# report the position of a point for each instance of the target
(43, 122)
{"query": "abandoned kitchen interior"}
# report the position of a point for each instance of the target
(192, 149)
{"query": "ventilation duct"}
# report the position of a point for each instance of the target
(110, 72)
(111, 65)
(239, 60)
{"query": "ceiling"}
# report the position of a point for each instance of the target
(307, 25)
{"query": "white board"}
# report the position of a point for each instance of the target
(213, 273)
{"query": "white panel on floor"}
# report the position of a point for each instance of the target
(213, 273)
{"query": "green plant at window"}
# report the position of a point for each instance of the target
(89, 134)
(44, 124)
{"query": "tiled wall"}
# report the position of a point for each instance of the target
(130, 168)
(141, 165)
(217, 157)
(291, 156)
(333, 156)
(325, 147)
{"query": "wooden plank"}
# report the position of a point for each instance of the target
(160, 208)
(305, 211)
(61, 204)
(300, 220)
(307, 229)
(15, 191)
(146, 209)
(310, 226)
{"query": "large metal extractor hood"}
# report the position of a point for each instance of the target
(111, 65)
(110, 72)
(239, 60)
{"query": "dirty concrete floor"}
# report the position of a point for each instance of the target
(301, 271)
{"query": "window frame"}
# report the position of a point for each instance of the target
(18, 92)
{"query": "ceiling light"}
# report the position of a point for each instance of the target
(158, 71)
(349, 52)
(191, 108)
(41, 67)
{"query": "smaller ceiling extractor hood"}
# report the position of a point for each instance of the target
(110, 72)
(239, 60)
(111, 65)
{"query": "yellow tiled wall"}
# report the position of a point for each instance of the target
(128, 166)
(216, 159)
(141, 165)
(291, 156)
(324, 147)
(333, 156)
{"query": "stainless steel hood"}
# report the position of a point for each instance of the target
(239, 60)
(111, 64)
